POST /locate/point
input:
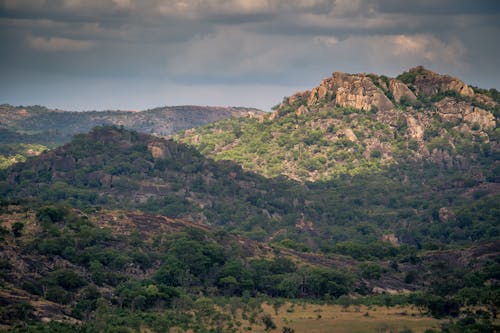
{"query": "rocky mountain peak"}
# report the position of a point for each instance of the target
(345, 90)
(419, 87)
(353, 122)
(430, 83)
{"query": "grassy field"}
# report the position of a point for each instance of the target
(313, 318)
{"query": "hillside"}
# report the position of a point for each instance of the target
(358, 123)
(116, 168)
(343, 196)
(37, 125)
(113, 269)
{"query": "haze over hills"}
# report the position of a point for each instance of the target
(58, 126)
(361, 186)
(26, 131)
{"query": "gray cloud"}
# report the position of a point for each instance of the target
(139, 51)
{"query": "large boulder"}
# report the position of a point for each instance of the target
(356, 91)
(399, 90)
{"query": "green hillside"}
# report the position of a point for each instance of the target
(363, 128)
(28, 125)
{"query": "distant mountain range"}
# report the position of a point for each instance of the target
(25, 131)
(58, 126)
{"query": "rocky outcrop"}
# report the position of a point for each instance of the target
(348, 133)
(446, 214)
(415, 129)
(391, 238)
(442, 158)
(356, 91)
(299, 97)
(157, 150)
(450, 109)
(302, 110)
(430, 83)
(398, 89)
(346, 90)
(479, 116)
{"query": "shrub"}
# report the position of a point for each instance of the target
(17, 229)
(268, 322)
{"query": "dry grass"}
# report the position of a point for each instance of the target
(313, 318)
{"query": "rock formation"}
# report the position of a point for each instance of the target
(399, 90)
(429, 83)
(451, 109)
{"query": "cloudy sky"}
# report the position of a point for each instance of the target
(132, 54)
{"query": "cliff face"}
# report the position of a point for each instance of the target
(383, 95)
(346, 90)
(400, 90)
(429, 83)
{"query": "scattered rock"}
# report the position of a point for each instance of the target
(304, 225)
(450, 109)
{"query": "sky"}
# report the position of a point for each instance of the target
(135, 55)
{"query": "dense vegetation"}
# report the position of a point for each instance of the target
(347, 215)
(314, 203)
(156, 279)
(28, 130)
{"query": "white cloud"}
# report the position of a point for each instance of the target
(59, 44)
(326, 40)
(428, 48)
(391, 54)
(199, 8)
(235, 51)
(124, 4)
(346, 7)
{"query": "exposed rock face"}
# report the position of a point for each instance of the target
(391, 238)
(441, 158)
(346, 90)
(429, 83)
(357, 91)
(446, 214)
(349, 134)
(301, 110)
(451, 110)
(399, 89)
(479, 116)
(158, 150)
(415, 130)
(486, 100)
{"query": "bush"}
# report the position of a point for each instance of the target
(268, 322)
(17, 229)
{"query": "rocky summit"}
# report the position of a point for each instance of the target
(355, 122)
